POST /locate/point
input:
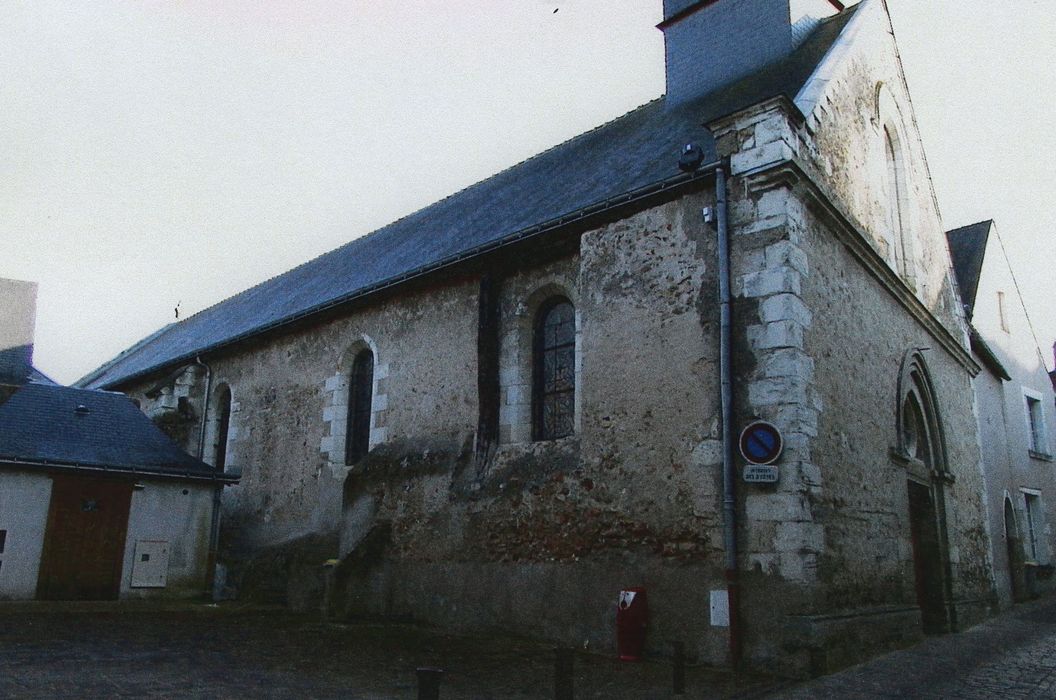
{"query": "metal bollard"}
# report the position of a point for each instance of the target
(678, 669)
(429, 683)
(563, 659)
(329, 567)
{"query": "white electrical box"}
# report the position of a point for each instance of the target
(720, 608)
(150, 568)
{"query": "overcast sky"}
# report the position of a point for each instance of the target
(156, 154)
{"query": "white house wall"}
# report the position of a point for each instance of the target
(176, 513)
(24, 499)
(1008, 462)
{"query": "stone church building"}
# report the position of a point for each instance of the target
(499, 411)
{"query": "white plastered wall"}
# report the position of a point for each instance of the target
(24, 499)
(176, 513)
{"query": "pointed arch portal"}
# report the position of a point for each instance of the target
(922, 449)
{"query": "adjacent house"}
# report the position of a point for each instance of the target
(96, 502)
(1015, 403)
(501, 410)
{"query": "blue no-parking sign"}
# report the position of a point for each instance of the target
(761, 443)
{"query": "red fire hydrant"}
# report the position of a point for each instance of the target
(632, 617)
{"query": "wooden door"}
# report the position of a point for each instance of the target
(84, 543)
(927, 559)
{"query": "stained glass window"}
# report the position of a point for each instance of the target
(554, 370)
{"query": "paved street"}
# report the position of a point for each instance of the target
(198, 651)
(1010, 656)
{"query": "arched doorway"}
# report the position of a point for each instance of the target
(921, 449)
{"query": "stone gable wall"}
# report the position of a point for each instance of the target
(851, 101)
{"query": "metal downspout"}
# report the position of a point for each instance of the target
(214, 521)
(205, 406)
(729, 503)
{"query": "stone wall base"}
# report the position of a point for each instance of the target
(568, 603)
(827, 643)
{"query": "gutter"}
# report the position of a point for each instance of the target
(179, 475)
(546, 227)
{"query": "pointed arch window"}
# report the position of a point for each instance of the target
(896, 195)
(360, 399)
(554, 370)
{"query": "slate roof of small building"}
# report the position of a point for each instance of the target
(15, 364)
(51, 426)
(38, 377)
(967, 249)
(635, 153)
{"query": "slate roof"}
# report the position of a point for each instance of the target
(16, 364)
(38, 377)
(634, 154)
(967, 248)
(41, 427)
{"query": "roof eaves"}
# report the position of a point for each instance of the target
(131, 470)
(810, 92)
(981, 348)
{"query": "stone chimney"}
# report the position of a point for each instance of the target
(712, 43)
(18, 311)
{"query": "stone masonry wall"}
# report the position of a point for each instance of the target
(633, 498)
(283, 407)
(548, 533)
(819, 339)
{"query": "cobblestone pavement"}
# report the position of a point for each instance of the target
(105, 650)
(109, 650)
(1009, 656)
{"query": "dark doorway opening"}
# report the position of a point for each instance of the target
(1014, 547)
(927, 558)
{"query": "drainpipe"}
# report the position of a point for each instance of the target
(729, 476)
(205, 406)
(214, 521)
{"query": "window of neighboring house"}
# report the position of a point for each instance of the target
(1034, 523)
(554, 370)
(1036, 426)
(223, 427)
(1002, 313)
(360, 398)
